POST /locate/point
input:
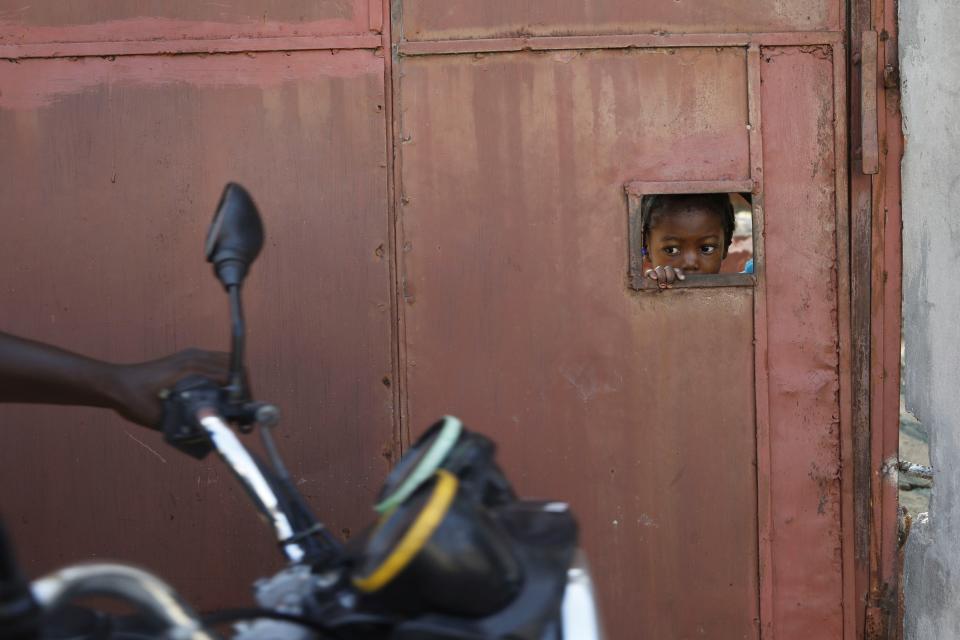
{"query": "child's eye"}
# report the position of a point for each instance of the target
(707, 249)
(672, 251)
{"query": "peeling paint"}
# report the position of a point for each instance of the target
(590, 382)
(647, 521)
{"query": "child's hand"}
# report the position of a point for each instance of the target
(665, 276)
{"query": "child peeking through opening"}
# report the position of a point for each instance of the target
(685, 234)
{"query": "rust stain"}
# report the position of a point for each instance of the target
(32, 84)
(97, 21)
(828, 488)
(458, 19)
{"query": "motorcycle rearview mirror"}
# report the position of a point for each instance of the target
(233, 243)
(235, 236)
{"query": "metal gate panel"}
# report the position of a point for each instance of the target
(456, 19)
(803, 309)
(140, 20)
(519, 317)
(111, 170)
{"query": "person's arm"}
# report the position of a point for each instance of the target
(33, 372)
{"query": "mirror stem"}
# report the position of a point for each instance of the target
(237, 383)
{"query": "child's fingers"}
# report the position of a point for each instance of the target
(662, 277)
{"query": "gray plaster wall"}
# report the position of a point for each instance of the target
(930, 85)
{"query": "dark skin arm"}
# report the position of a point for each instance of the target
(36, 373)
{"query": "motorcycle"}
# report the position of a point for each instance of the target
(454, 554)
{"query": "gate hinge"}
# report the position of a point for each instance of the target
(891, 77)
(880, 622)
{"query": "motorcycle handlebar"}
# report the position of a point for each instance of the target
(244, 467)
(148, 592)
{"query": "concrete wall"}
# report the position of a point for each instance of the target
(930, 71)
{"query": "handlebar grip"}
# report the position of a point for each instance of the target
(179, 424)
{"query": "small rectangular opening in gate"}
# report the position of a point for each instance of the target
(690, 234)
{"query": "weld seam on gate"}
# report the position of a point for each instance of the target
(187, 47)
(617, 41)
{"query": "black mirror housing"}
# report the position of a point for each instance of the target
(235, 236)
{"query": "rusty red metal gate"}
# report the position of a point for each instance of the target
(697, 432)
(114, 154)
(448, 234)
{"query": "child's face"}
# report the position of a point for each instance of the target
(689, 238)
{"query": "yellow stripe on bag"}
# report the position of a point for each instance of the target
(416, 536)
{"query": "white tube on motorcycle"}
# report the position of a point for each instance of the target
(580, 614)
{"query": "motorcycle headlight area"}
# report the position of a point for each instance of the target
(448, 445)
(420, 463)
(439, 550)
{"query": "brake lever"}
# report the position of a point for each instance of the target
(180, 405)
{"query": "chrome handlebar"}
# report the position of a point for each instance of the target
(248, 473)
(148, 592)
